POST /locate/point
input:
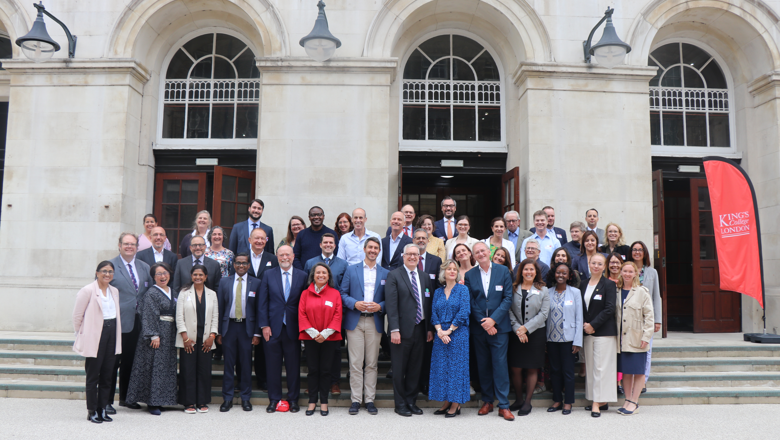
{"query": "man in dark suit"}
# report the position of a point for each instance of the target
(237, 296)
(393, 244)
(184, 266)
(408, 305)
(239, 235)
(430, 265)
(558, 233)
(280, 292)
(307, 243)
(490, 286)
(409, 216)
(260, 261)
(157, 252)
(445, 228)
(132, 279)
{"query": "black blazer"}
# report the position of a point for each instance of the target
(623, 250)
(147, 256)
(225, 300)
(601, 312)
(182, 275)
(391, 262)
(264, 265)
(271, 306)
(401, 305)
(432, 266)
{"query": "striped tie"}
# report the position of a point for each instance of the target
(416, 297)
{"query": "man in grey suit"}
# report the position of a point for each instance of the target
(515, 233)
(592, 219)
(157, 253)
(184, 266)
(131, 278)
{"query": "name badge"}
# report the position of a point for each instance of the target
(382, 282)
(624, 257)
(146, 283)
(559, 236)
(427, 293)
(328, 303)
(597, 297)
(251, 294)
(569, 303)
(189, 298)
(533, 292)
(499, 288)
(268, 263)
(433, 277)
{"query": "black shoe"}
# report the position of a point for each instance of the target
(403, 411)
(389, 374)
(524, 411)
(372, 408)
(620, 389)
(554, 408)
(604, 407)
(415, 410)
(595, 414)
(226, 405)
(246, 405)
(271, 408)
(294, 408)
(154, 410)
(515, 406)
(324, 412)
(354, 408)
(110, 410)
(129, 405)
(566, 412)
(442, 411)
(450, 415)
(94, 417)
(104, 416)
(644, 390)
(310, 412)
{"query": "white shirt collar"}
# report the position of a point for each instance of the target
(254, 255)
(366, 266)
(331, 256)
(128, 262)
(490, 266)
(243, 278)
(290, 270)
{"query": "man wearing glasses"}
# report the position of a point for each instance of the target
(184, 266)
(445, 228)
(514, 233)
(307, 243)
(532, 252)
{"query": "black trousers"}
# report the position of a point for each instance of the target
(319, 359)
(259, 362)
(237, 350)
(406, 359)
(100, 370)
(124, 362)
(335, 367)
(282, 349)
(195, 375)
(561, 371)
(425, 372)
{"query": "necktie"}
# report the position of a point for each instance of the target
(327, 261)
(239, 298)
(254, 226)
(407, 232)
(416, 297)
(132, 276)
(420, 265)
(286, 293)
(197, 261)
(449, 228)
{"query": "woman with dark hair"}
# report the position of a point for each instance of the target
(98, 338)
(464, 258)
(463, 225)
(502, 256)
(435, 244)
(145, 239)
(153, 379)
(201, 226)
(497, 240)
(197, 316)
(561, 255)
(588, 248)
(218, 252)
(614, 263)
(614, 241)
(343, 225)
(528, 315)
(319, 323)
(648, 277)
(564, 334)
(294, 226)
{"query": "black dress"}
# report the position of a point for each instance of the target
(531, 353)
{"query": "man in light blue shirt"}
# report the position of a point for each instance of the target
(351, 244)
(547, 242)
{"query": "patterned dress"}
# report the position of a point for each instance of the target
(153, 379)
(225, 259)
(450, 362)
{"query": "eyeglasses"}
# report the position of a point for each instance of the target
(447, 206)
(241, 263)
(413, 255)
(531, 249)
(130, 244)
(512, 221)
(197, 245)
(161, 274)
(106, 272)
(637, 251)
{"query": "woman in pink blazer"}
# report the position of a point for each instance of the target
(98, 338)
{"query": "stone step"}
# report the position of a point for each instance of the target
(700, 351)
(704, 364)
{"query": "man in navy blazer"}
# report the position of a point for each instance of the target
(158, 252)
(558, 233)
(393, 244)
(363, 295)
(239, 235)
(448, 209)
(237, 297)
(409, 216)
(278, 319)
(260, 261)
(490, 328)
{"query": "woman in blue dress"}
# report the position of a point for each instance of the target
(450, 358)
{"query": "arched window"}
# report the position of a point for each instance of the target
(212, 90)
(451, 92)
(689, 98)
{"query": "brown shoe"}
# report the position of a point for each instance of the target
(486, 408)
(335, 389)
(506, 414)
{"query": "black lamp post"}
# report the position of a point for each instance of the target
(320, 44)
(37, 45)
(610, 50)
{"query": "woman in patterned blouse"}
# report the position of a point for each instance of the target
(218, 252)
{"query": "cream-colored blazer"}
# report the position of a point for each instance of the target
(187, 315)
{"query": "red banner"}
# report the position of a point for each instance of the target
(737, 231)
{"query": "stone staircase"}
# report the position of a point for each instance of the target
(683, 372)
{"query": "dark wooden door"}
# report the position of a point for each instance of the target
(510, 190)
(233, 193)
(714, 310)
(178, 197)
(401, 187)
(659, 240)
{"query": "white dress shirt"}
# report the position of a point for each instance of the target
(109, 308)
(244, 283)
(158, 256)
(369, 282)
(485, 277)
(393, 245)
(256, 260)
(135, 270)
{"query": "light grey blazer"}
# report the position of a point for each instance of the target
(129, 299)
(651, 283)
(572, 315)
(537, 307)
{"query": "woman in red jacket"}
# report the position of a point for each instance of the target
(319, 322)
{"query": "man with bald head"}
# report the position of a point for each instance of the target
(351, 243)
(157, 253)
(260, 261)
(409, 216)
(393, 244)
(181, 277)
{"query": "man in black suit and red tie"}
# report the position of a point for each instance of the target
(260, 260)
(408, 305)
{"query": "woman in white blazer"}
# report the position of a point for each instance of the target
(463, 225)
(648, 277)
(497, 240)
(197, 321)
(98, 338)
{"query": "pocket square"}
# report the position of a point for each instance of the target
(268, 263)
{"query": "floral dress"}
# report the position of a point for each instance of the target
(225, 259)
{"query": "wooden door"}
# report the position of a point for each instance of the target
(233, 193)
(401, 188)
(510, 190)
(714, 310)
(178, 197)
(659, 240)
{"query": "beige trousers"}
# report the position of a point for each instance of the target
(600, 368)
(363, 345)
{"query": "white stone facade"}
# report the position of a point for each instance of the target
(79, 166)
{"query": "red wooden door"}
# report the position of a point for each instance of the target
(659, 240)
(178, 197)
(510, 190)
(714, 310)
(233, 193)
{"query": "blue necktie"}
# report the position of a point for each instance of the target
(286, 294)
(254, 226)
(327, 261)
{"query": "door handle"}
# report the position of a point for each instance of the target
(663, 262)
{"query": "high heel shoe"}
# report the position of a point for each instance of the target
(626, 412)
(450, 415)
(515, 406)
(442, 411)
(94, 417)
(104, 415)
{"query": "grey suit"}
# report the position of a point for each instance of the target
(600, 234)
(522, 234)
(129, 299)
(183, 267)
(537, 306)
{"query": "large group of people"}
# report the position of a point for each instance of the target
(452, 312)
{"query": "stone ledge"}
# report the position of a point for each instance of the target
(89, 72)
(588, 77)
